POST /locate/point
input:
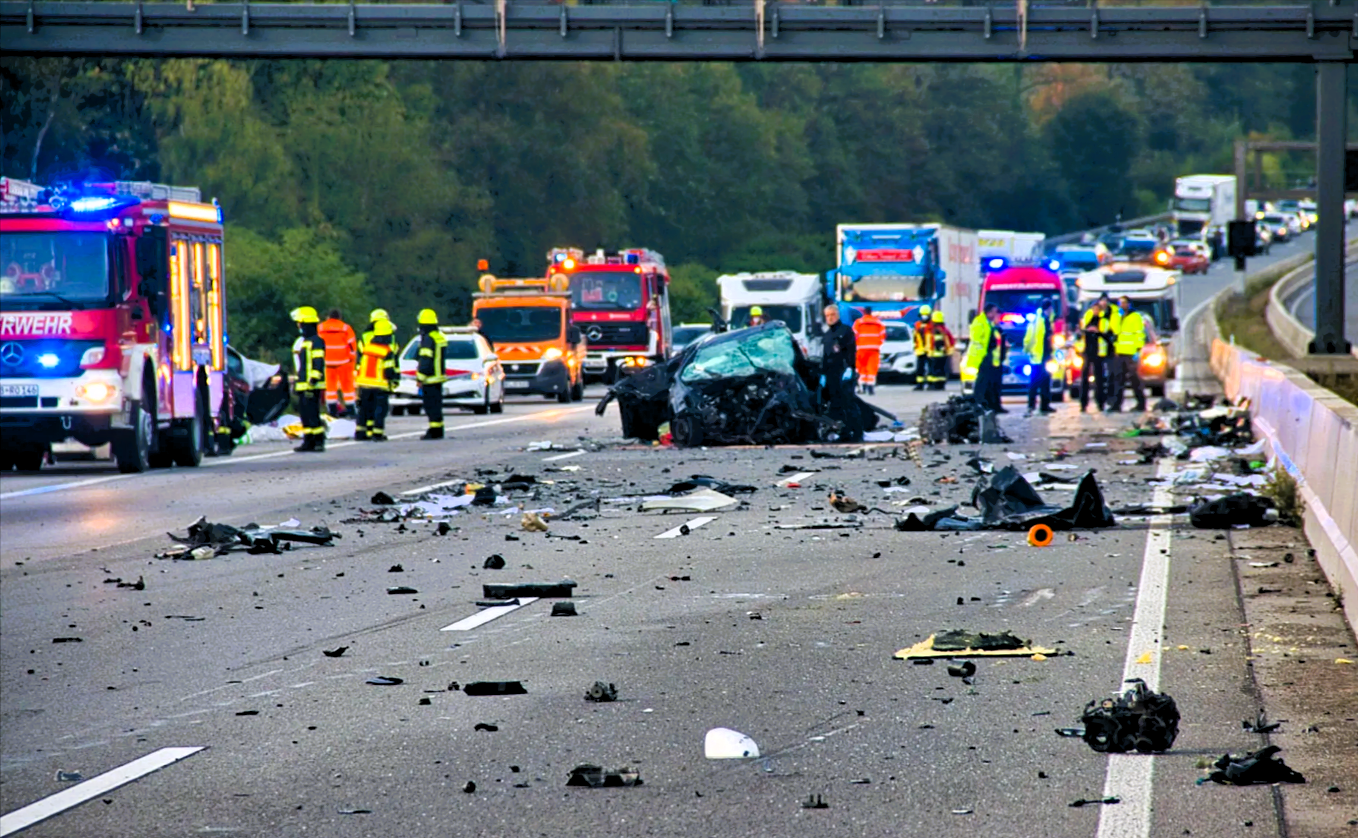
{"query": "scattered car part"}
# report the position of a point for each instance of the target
(336, 652)
(495, 688)
(724, 743)
(1259, 767)
(599, 691)
(563, 609)
(494, 562)
(962, 644)
(545, 590)
(594, 776)
(1139, 720)
(384, 681)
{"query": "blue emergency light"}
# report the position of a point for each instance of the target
(1054, 265)
(995, 263)
(47, 360)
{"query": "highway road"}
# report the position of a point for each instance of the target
(785, 634)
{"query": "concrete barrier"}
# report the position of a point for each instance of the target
(1314, 435)
(1291, 332)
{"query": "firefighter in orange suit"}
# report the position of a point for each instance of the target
(924, 336)
(377, 377)
(869, 334)
(941, 346)
(341, 352)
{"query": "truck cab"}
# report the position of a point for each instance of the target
(620, 301)
(1154, 293)
(793, 298)
(112, 322)
(1018, 291)
(529, 322)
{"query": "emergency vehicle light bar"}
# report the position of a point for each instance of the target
(555, 285)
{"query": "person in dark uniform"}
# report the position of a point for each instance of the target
(308, 358)
(837, 364)
(1097, 324)
(431, 372)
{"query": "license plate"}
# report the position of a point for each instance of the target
(18, 389)
(518, 385)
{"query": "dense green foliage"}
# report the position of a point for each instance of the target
(377, 183)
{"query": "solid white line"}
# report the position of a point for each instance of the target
(565, 456)
(692, 525)
(796, 478)
(1131, 776)
(226, 461)
(485, 615)
(91, 788)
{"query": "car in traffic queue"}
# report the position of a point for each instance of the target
(1153, 292)
(1184, 256)
(1138, 246)
(686, 333)
(1018, 290)
(898, 352)
(476, 379)
(1278, 226)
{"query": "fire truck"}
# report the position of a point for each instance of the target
(112, 322)
(621, 303)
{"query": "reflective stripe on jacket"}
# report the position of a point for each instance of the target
(377, 366)
(923, 337)
(869, 332)
(942, 343)
(983, 334)
(431, 366)
(308, 361)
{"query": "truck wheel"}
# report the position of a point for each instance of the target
(29, 460)
(187, 441)
(132, 447)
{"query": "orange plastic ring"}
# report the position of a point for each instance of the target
(1040, 535)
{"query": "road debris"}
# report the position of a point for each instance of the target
(486, 728)
(532, 522)
(701, 500)
(383, 499)
(336, 652)
(495, 688)
(384, 681)
(1235, 510)
(494, 562)
(594, 776)
(1107, 801)
(1140, 720)
(69, 776)
(1258, 767)
(959, 420)
(724, 743)
(602, 692)
(966, 669)
(964, 644)
(544, 590)
(1260, 724)
(814, 801)
(205, 540)
(564, 609)
(401, 590)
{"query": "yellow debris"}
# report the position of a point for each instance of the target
(1342, 660)
(1039, 656)
(1146, 658)
(925, 649)
(1183, 648)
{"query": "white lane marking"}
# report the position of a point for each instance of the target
(226, 461)
(565, 456)
(432, 486)
(91, 788)
(485, 615)
(796, 478)
(1131, 776)
(692, 525)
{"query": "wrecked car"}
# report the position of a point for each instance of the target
(256, 394)
(750, 386)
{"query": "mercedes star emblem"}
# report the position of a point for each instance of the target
(594, 333)
(11, 354)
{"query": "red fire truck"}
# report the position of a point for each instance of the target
(621, 303)
(112, 322)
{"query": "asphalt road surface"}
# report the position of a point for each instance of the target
(785, 634)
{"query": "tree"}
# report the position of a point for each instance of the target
(1095, 140)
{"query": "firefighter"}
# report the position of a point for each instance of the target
(377, 315)
(1037, 344)
(341, 353)
(941, 346)
(838, 358)
(431, 372)
(308, 358)
(377, 377)
(1097, 325)
(1134, 331)
(923, 335)
(869, 333)
(757, 316)
(985, 355)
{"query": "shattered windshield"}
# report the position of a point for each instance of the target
(741, 355)
(606, 290)
(70, 267)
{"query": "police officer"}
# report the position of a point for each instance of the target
(1134, 331)
(377, 315)
(1037, 344)
(923, 335)
(1097, 325)
(985, 354)
(308, 359)
(377, 377)
(942, 344)
(838, 357)
(431, 371)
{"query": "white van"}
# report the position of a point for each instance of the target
(794, 298)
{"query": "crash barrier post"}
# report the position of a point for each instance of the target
(1284, 325)
(1314, 435)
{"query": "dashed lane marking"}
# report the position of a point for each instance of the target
(91, 788)
(226, 461)
(485, 615)
(690, 525)
(1131, 776)
(566, 456)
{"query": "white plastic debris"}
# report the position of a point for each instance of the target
(1209, 452)
(703, 500)
(724, 743)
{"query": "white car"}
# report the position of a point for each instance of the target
(898, 351)
(476, 381)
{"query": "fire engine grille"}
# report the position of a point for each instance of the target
(600, 335)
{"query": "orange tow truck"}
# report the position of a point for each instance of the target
(529, 323)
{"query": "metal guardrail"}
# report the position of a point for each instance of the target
(1131, 224)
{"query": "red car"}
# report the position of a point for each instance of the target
(1183, 256)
